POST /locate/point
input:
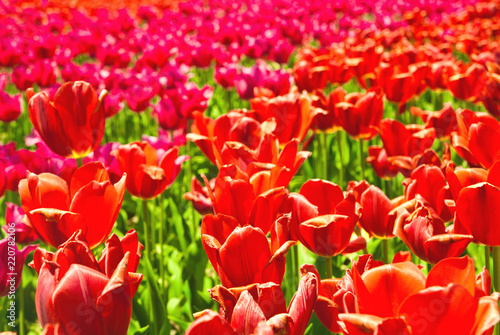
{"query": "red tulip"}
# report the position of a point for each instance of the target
(72, 124)
(242, 255)
(360, 114)
(444, 121)
(404, 147)
(252, 312)
(477, 207)
(430, 183)
(291, 112)
(309, 77)
(243, 199)
(397, 298)
(476, 140)
(56, 210)
(100, 293)
(428, 238)
(322, 218)
(199, 196)
(460, 178)
(149, 175)
(328, 235)
(467, 85)
(326, 118)
(10, 106)
(375, 218)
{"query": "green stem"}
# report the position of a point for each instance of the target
(487, 257)
(194, 222)
(341, 168)
(496, 268)
(160, 237)
(79, 162)
(20, 291)
(296, 271)
(385, 250)
(145, 220)
(496, 274)
(228, 97)
(328, 264)
(325, 155)
(362, 159)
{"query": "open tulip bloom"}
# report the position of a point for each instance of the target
(99, 292)
(89, 203)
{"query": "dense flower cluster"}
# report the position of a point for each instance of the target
(252, 114)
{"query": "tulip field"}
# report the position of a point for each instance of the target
(250, 167)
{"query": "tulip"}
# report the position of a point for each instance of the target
(242, 255)
(426, 236)
(56, 210)
(477, 137)
(325, 118)
(72, 124)
(444, 121)
(429, 183)
(14, 215)
(199, 196)
(292, 113)
(360, 114)
(375, 218)
(460, 84)
(149, 175)
(326, 218)
(12, 261)
(399, 141)
(476, 209)
(398, 298)
(100, 292)
(10, 107)
(252, 310)
(12, 169)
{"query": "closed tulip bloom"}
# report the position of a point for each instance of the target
(72, 123)
(360, 114)
(10, 106)
(89, 203)
(242, 255)
(375, 218)
(11, 269)
(99, 293)
(477, 208)
(149, 175)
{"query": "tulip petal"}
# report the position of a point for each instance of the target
(382, 289)
(302, 303)
(80, 288)
(246, 314)
(210, 323)
(440, 310)
(244, 256)
(478, 211)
